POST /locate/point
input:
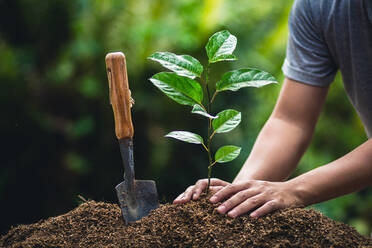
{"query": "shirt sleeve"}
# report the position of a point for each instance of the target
(308, 59)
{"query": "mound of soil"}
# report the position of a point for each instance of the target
(195, 224)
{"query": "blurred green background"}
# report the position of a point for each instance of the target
(57, 128)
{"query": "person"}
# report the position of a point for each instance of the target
(324, 36)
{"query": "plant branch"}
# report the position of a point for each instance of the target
(213, 163)
(205, 147)
(214, 96)
(212, 135)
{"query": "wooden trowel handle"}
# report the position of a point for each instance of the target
(119, 94)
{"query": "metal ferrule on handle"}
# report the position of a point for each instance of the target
(126, 150)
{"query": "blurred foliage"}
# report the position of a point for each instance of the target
(57, 127)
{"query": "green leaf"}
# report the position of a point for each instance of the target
(227, 154)
(227, 120)
(183, 90)
(186, 137)
(234, 80)
(197, 109)
(220, 46)
(183, 65)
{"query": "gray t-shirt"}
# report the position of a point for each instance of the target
(327, 35)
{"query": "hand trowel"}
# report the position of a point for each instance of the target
(136, 197)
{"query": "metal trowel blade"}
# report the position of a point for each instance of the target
(139, 202)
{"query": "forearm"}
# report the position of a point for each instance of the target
(286, 135)
(276, 151)
(350, 173)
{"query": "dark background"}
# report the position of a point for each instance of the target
(56, 129)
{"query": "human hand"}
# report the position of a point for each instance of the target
(193, 192)
(262, 196)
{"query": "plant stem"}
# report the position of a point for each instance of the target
(209, 177)
(207, 89)
(209, 155)
(210, 129)
(209, 106)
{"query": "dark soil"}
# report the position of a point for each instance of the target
(195, 224)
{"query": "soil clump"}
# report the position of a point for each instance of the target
(195, 224)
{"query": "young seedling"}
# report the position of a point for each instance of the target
(181, 86)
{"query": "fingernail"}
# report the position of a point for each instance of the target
(232, 214)
(213, 199)
(253, 215)
(221, 209)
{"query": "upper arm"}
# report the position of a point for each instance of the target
(300, 104)
(308, 57)
(309, 68)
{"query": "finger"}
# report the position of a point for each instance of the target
(217, 182)
(265, 209)
(178, 197)
(184, 197)
(199, 187)
(235, 200)
(187, 195)
(215, 189)
(227, 191)
(247, 206)
(202, 184)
